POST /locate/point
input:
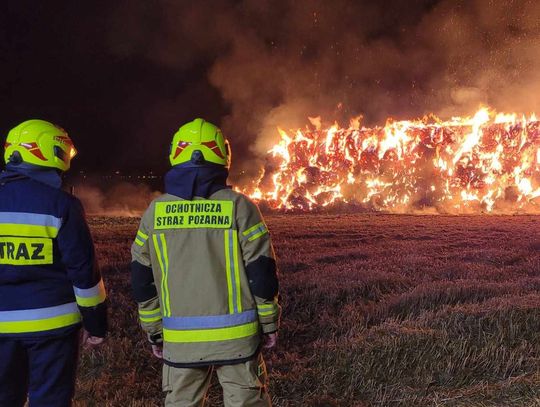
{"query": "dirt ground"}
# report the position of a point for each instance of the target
(378, 310)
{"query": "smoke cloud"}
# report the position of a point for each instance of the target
(119, 199)
(276, 63)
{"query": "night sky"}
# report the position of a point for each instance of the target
(122, 76)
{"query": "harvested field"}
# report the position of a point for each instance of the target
(378, 310)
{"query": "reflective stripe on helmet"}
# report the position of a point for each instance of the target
(180, 147)
(34, 149)
(212, 145)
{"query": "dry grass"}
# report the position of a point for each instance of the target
(379, 310)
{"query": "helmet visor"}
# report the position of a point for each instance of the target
(65, 156)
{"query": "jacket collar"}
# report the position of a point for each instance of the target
(46, 176)
(188, 182)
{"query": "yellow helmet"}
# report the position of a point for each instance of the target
(200, 143)
(40, 143)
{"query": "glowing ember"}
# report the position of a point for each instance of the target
(487, 162)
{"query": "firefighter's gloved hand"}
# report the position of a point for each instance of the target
(156, 340)
(270, 340)
(90, 341)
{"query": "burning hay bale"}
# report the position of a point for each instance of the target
(483, 163)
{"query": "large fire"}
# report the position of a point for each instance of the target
(484, 163)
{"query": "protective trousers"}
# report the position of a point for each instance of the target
(42, 368)
(244, 384)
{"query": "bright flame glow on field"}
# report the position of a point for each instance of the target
(483, 163)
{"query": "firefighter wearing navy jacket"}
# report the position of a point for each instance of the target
(49, 281)
(204, 277)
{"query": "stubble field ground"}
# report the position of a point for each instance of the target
(378, 310)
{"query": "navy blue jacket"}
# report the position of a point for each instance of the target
(49, 279)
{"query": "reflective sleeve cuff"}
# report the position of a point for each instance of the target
(255, 232)
(141, 238)
(153, 315)
(90, 297)
(265, 310)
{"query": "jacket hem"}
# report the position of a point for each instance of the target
(211, 363)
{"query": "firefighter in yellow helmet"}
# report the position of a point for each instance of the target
(49, 281)
(204, 276)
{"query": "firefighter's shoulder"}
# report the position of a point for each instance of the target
(244, 205)
(49, 198)
(236, 196)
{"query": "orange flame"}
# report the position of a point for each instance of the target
(486, 162)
